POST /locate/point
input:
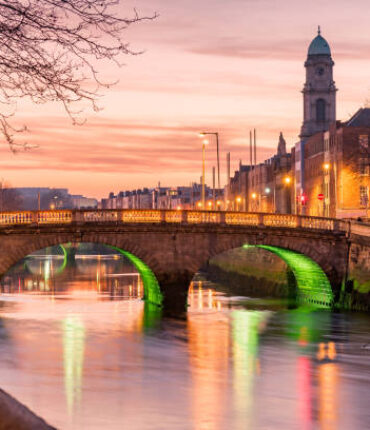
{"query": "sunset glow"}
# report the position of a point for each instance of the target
(214, 65)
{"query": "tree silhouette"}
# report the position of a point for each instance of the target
(50, 49)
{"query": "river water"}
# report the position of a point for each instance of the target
(79, 348)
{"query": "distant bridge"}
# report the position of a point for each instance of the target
(169, 246)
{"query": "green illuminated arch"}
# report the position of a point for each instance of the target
(65, 257)
(312, 283)
(152, 291)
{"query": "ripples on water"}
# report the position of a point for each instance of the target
(81, 349)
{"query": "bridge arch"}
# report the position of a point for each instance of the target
(317, 279)
(319, 252)
(312, 283)
(152, 291)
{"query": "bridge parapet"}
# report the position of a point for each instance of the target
(152, 216)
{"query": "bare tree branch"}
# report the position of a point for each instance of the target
(50, 49)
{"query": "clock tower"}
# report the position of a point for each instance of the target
(319, 91)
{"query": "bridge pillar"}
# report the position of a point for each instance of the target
(174, 288)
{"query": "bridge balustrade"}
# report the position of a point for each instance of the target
(240, 218)
(97, 216)
(54, 217)
(173, 216)
(360, 229)
(153, 216)
(280, 220)
(194, 217)
(9, 218)
(180, 216)
(317, 223)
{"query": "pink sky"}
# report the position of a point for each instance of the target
(221, 65)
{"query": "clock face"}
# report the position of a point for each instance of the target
(320, 71)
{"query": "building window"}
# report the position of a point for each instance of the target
(364, 168)
(363, 140)
(364, 195)
(320, 110)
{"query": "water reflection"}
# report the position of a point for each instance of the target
(73, 358)
(246, 329)
(81, 349)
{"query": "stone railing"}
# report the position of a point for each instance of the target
(149, 216)
(360, 229)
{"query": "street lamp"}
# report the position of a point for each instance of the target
(205, 142)
(287, 180)
(205, 133)
(238, 200)
(254, 196)
(326, 168)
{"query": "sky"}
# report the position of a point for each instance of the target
(217, 65)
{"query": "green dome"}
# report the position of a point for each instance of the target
(319, 46)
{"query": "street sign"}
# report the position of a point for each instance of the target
(320, 196)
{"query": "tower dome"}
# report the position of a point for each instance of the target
(319, 46)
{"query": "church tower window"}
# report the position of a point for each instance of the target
(320, 110)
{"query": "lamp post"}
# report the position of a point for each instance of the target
(267, 195)
(326, 168)
(205, 142)
(238, 200)
(254, 196)
(212, 133)
(287, 181)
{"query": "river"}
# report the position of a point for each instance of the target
(80, 348)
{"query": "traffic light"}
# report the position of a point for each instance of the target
(303, 199)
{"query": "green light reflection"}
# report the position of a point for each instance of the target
(152, 291)
(245, 339)
(312, 283)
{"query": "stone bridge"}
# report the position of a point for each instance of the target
(169, 246)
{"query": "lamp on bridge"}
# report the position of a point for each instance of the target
(205, 142)
(238, 201)
(212, 133)
(254, 197)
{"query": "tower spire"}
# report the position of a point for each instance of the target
(319, 30)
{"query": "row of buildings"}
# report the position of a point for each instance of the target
(326, 173)
(44, 198)
(164, 198)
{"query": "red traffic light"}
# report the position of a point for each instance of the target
(302, 199)
(320, 196)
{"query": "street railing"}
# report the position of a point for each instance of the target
(149, 216)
